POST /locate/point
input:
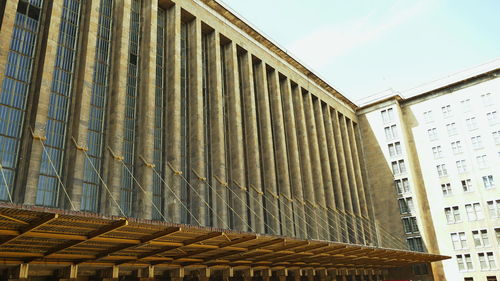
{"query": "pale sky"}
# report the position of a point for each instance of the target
(362, 47)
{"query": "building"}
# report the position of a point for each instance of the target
(438, 148)
(137, 136)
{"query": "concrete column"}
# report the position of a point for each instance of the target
(196, 127)
(252, 142)
(326, 169)
(8, 21)
(173, 117)
(368, 197)
(47, 70)
(294, 157)
(305, 162)
(319, 191)
(335, 172)
(359, 179)
(83, 95)
(267, 147)
(351, 175)
(117, 86)
(217, 129)
(69, 273)
(280, 149)
(237, 153)
(343, 175)
(146, 116)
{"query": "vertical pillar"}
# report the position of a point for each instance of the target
(293, 157)
(146, 116)
(352, 178)
(146, 274)
(173, 116)
(118, 85)
(351, 235)
(267, 148)
(237, 154)
(20, 273)
(316, 163)
(196, 130)
(305, 162)
(335, 172)
(252, 142)
(282, 169)
(70, 273)
(217, 129)
(282, 274)
(47, 70)
(83, 84)
(359, 180)
(326, 169)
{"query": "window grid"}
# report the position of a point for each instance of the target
(95, 137)
(494, 208)
(127, 191)
(488, 182)
(452, 214)
(207, 125)
(59, 103)
(459, 240)
(15, 88)
(466, 185)
(158, 145)
(480, 238)
(487, 261)
(464, 262)
(474, 211)
(446, 189)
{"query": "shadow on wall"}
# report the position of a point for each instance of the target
(381, 185)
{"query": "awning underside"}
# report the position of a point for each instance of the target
(34, 235)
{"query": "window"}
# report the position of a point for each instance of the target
(468, 279)
(481, 161)
(428, 116)
(474, 211)
(494, 208)
(420, 269)
(388, 115)
(467, 185)
(452, 214)
(456, 146)
(410, 225)
(464, 262)
(466, 105)
(492, 117)
(446, 110)
(459, 240)
(461, 166)
(480, 238)
(496, 137)
(451, 128)
(398, 167)
(437, 151)
(432, 134)
(446, 188)
(491, 278)
(488, 182)
(406, 205)
(487, 99)
(59, 100)
(415, 244)
(441, 169)
(96, 127)
(390, 132)
(487, 260)
(471, 123)
(402, 186)
(497, 234)
(395, 149)
(476, 142)
(16, 86)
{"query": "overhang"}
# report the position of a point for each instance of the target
(36, 235)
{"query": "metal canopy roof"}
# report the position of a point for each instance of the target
(36, 235)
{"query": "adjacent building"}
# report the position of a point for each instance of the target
(436, 151)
